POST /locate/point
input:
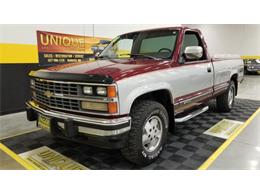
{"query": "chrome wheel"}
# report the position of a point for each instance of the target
(152, 133)
(231, 96)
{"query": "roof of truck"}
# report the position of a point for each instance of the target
(161, 28)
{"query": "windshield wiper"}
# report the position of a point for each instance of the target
(140, 55)
(102, 57)
(143, 55)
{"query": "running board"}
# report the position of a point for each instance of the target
(191, 115)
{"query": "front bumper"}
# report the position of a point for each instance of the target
(101, 132)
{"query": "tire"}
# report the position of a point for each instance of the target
(225, 101)
(145, 140)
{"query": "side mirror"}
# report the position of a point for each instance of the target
(193, 52)
(97, 54)
(97, 49)
(104, 42)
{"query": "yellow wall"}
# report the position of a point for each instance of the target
(250, 57)
(18, 53)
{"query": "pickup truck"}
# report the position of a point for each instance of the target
(138, 87)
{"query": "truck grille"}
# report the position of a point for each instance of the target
(57, 88)
(57, 102)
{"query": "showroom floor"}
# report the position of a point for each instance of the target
(188, 148)
(7, 163)
(244, 150)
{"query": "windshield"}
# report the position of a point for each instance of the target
(148, 44)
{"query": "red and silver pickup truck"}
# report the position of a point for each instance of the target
(140, 85)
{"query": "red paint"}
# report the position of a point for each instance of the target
(117, 69)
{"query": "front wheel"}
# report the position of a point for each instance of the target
(225, 101)
(148, 133)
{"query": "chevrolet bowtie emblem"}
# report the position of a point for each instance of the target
(48, 94)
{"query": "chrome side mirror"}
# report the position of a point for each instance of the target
(193, 52)
(97, 54)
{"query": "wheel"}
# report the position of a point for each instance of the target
(148, 132)
(225, 101)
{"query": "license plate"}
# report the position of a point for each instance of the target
(44, 122)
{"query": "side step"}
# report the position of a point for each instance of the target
(191, 115)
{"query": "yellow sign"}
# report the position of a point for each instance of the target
(224, 129)
(47, 159)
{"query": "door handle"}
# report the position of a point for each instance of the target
(209, 68)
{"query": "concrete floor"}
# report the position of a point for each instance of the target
(15, 124)
(250, 88)
(7, 163)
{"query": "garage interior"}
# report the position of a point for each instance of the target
(189, 147)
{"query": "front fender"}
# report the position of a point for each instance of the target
(128, 93)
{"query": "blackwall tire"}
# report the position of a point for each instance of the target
(225, 101)
(148, 133)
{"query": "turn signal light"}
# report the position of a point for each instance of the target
(111, 91)
(112, 107)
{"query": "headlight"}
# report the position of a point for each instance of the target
(88, 90)
(109, 91)
(32, 82)
(102, 91)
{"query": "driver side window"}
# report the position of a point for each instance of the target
(191, 39)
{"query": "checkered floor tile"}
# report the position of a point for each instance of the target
(186, 149)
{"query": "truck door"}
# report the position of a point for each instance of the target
(195, 78)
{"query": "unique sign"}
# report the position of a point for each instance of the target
(58, 48)
(224, 129)
(47, 159)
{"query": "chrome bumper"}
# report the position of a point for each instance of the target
(99, 126)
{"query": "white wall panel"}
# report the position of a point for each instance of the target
(26, 33)
(232, 39)
(113, 30)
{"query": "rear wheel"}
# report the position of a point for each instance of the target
(148, 132)
(225, 101)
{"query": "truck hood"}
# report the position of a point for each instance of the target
(117, 69)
